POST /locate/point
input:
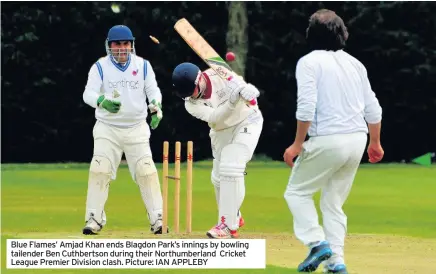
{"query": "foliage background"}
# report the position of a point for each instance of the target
(48, 48)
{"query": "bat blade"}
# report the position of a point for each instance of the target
(204, 50)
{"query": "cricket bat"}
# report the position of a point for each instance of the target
(205, 51)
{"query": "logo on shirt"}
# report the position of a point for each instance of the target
(221, 93)
(135, 72)
(124, 84)
(245, 130)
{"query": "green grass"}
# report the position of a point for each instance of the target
(44, 201)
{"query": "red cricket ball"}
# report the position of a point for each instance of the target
(230, 56)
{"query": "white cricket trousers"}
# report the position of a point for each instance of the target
(327, 163)
(111, 142)
(245, 134)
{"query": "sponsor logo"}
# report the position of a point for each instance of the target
(123, 84)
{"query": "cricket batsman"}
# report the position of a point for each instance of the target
(335, 107)
(235, 128)
(118, 87)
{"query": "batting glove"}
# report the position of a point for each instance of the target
(249, 92)
(235, 85)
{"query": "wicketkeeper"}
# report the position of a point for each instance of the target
(235, 128)
(118, 87)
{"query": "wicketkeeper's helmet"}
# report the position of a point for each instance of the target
(185, 78)
(119, 33)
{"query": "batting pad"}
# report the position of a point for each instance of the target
(100, 173)
(147, 180)
(215, 178)
(232, 186)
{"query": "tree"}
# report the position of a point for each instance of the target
(237, 35)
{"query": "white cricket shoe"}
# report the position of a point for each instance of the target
(92, 227)
(156, 228)
(222, 231)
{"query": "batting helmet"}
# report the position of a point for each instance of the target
(185, 78)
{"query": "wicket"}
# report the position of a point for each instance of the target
(176, 178)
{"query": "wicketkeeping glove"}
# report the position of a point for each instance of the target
(109, 105)
(156, 108)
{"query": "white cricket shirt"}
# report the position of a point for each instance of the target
(334, 93)
(216, 110)
(131, 84)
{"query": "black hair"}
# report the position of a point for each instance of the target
(326, 31)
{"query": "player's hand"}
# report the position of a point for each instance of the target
(291, 152)
(110, 105)
(375, 152)
(234, 96)
(235, 85)
(155, 108)
(249, 92)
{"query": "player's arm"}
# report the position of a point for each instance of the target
(306, 104)
(206, 113)
(93, 94)
(93, 87)
(202, 111)
(373, 110)
(373, 117)
(151, 88)
(154, 95)
(307, 93)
